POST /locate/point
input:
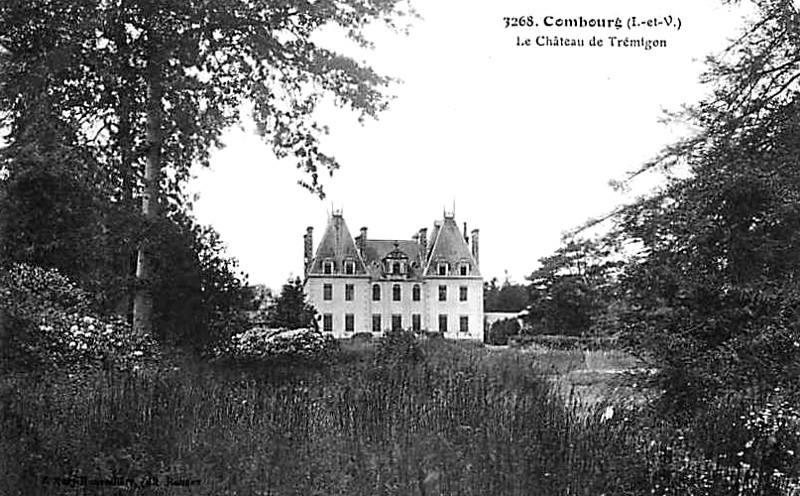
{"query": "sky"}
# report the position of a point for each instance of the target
(521, 140)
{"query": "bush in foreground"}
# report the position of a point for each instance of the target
(398, 346)
(260, 344)
(48, 322)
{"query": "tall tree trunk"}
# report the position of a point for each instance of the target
(124, 244)
(143, 297)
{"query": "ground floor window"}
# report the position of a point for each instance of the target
(327, 322)
(442, 323)
(397, 322)
(416, 322)
(376, 323)
(349, 322)
(463, 323)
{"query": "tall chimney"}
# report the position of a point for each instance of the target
(466, 238)
(362, 240)
(423, 241)
(475, 244)
(308, 248)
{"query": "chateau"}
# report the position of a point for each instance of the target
(374, 285)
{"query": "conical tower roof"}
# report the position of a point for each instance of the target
(336, 245)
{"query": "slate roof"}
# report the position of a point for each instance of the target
(337, 245)
(376, 250)
(448, 245)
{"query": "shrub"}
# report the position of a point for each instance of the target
(361, 337)
(567, 343)
(258, 343)
(48, 322)
(397, 347)
(501, 330)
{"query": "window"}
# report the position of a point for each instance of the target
(349, 322)
(415, 293)
(463, 323)
(396, 292)
(464, 269)
(327, 292)
(441, 268)
(327, 267)
(349, 267)
(349, 290)
(442, 293)
(327, 322)
(397, 322)
(376, 323)
(416, 322)
(462, 293)
(396, 268)
(376, 292)
(442, 323)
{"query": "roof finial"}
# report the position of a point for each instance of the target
(451, 214)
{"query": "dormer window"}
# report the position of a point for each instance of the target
(463, 269)
(395, 262)
(327, 267)
(442, 268)
(349, 267)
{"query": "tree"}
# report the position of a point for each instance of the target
(572, 288)
(153, 84)
(201, 299)
(712, 295)
(291, 310)
(55, 212)
(508, 297)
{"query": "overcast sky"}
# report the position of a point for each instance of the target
(523, 139)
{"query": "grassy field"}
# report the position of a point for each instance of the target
(465, 420)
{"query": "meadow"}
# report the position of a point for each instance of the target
(450, 418)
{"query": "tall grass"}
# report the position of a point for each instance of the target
(463, 422)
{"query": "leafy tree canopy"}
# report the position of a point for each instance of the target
(291, 310)
(572, 288)
(713, 297)
(93, 62)
(508, 297)
(148, 86)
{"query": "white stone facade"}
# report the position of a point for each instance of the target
(361, 285)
